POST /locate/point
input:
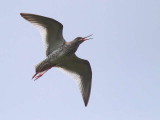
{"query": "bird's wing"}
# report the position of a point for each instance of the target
(50, 29)
(81, 70)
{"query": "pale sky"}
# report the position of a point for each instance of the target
(124, 56)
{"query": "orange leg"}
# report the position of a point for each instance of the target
(39, 74)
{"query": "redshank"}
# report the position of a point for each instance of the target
(61, 54)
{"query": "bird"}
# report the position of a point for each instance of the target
(61, 54)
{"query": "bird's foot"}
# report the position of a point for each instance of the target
(39, 74)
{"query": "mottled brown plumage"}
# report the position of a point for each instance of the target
(61, 54)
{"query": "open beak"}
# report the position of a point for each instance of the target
(87, 38)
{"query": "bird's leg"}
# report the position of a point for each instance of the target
(39, 74)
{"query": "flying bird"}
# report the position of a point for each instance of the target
(61, 54)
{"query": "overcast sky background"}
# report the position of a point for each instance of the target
(124, 56)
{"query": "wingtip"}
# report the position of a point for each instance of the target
(25, 14)
(85, 102)
(22, 14)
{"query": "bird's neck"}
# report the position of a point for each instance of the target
(72, 47)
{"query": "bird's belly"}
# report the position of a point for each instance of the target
(61, 55)
(57, 59)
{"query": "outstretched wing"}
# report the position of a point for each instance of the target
(50, 29)
(81, 70)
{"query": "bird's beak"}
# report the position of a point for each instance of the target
(87, 38)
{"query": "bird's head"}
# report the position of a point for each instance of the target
(82, 39)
